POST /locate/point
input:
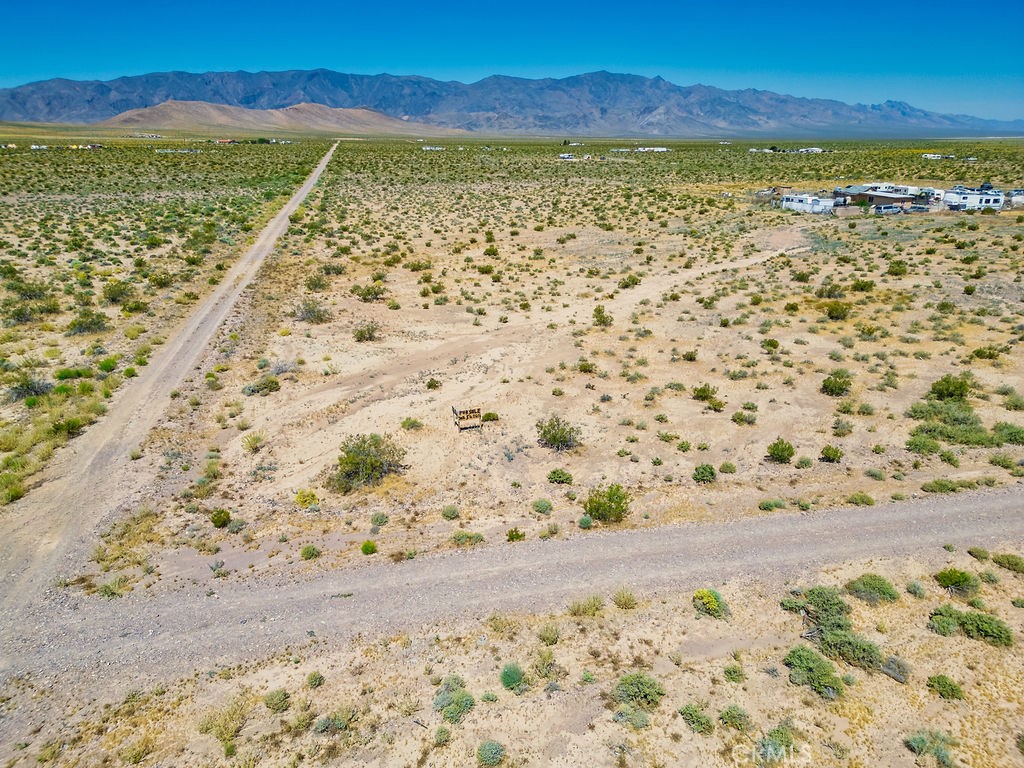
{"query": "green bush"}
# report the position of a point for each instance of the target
(781, 451)
(710, 603)
(489, 416)
(277, 701)
(549, 634)
(831, 454)
(262, 387)
(951, 387)
(608, 505)
(734, 716)
(958, 582)
(87, 321)
(466, 538)
(220, 518)
(559, 477)
(946, 620)
(693, 715)
(837, 310)
(452, 699)
(1010, 562)
(513, 678)
(314, 680)
(490, 753)
(935, 743)
(310, 552)
(837, 383)
(733, 673)
(586, 522)
(945, 687)
(824, 606)
(704, 474)
(368, 547)
(808, 667)
(776, 745)
(727, 468)
(851, 648)
(639, 690)
(366, 460)
(860, 499)
(542, 506)
(558, 434)
(873, 589)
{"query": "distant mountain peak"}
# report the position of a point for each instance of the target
(600, 103)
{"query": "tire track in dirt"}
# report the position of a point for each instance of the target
(93, 474)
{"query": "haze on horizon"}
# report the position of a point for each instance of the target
(943, 57)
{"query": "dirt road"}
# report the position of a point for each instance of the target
(143, 637)
(92, 475)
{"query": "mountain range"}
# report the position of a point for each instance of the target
(593, 104)
(301, 118)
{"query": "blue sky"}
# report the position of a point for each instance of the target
(940, 55)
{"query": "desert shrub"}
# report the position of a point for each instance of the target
(368, 547)
(837, 383)
(87, 321)
(831, 454)
(693, 715)
(625, 599)
(837, 310)
(804, 462)
(263, 386)
(1002, 460)
(710, 603)
(810, 668)
(934, 743)
(727, 468)
(916, 589)
(601, 317)
(733, 673)
(589, 607)
(923, 445)
(490, 753)
(312, 311)
(513, 678)
(514, 534)
(704, 474)
(489, 416)
(367, 331)
(220, 518)
(309, 552)
(704, 393)
(608, 505)
(225, 724)
(873, 589)
(776, 745)
(638, 689)
(314, 680)
(860, 499)
(946, 620)
(586, 522)
(1010, 562)
(1004, 432)
(549, 634)
(558, 434)
(824, 606)
(945, 687)
(896, 668)
(277, 701)
(781, 451)
(734, 716)
(559, 477)
(769, 505)
(336, 722)
(851, 648)
(450, 512)
(28, 386)
(958, 582)
(452, 699)
(306, 498)
(978, 553)
(951, 387)
(366, 460)
(442, 736)
(542, 506)
(466, 538)
(375, 291)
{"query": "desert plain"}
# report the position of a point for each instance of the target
(811, 428)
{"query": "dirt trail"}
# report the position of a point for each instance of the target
(93, 474)
(155, 636)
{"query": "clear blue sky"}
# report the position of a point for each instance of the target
(954, 57)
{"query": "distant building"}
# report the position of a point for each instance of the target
(963, 199)
(807, 203)
(873, 194)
